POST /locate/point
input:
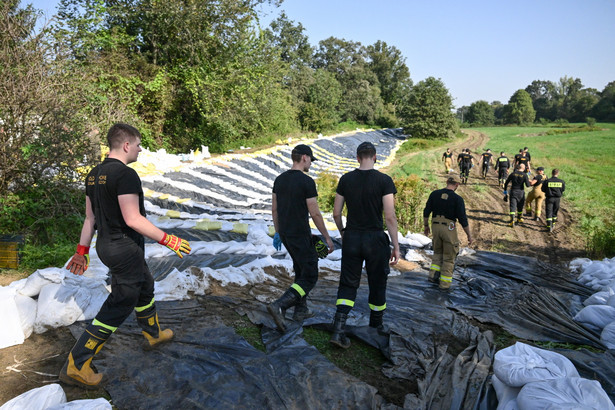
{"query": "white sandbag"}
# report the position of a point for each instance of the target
(521, 363)
(85, 404)
(26, 307)
(52, 313)
(607, 337)
(599, 298)
(11, 333)
(596, 316)
(566, 393)
(507, 396)
(579, 264)
(418, 237)
(41, 278)
(611, 301)
(413, 256)
(88, 293)
(40, 398)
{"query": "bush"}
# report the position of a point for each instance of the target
(326, 183)
(409, 203)
(590, 121)
(601, 241)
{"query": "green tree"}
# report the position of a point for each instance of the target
(322, 97)
(390, 68)
(604, 110)
(544, 99)
(427, 112)
(498, 111)
(481, 113)
(519, 109)
(290, 41)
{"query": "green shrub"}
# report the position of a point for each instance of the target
(590, 121)
(409, 203)
(601, 241)
(326, 183)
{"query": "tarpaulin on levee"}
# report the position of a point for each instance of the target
(432, 342)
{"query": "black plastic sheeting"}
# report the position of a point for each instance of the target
(432, 343)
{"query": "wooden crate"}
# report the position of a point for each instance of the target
(9, 255)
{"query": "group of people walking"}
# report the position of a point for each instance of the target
(544, 190)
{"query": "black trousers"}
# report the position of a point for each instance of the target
(517, 201)
(502, 173)
(465, 169)
(132, 284)
(552, 208)
(373, 249)
(305, 260)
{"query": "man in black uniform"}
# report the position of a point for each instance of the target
(553, 189)
(518, 181)
(502, 165)
(522, 158)
(447, 209)
(367, 193)
(467, 162)
(486, 160)
(115, 208)
(293, 201)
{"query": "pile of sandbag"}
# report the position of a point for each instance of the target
(526, 377)
(52, 397)
(599, 311)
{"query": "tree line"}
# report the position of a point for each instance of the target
(545, 101)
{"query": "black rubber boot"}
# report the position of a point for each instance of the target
(276, 309)
(302, 311)
(76, 370)
(339, 337)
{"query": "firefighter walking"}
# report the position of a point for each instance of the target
(502, 165)
(518, 181)
(536, 195)
(447, 209)
(553, 189)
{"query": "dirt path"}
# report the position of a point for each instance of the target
(489, 216)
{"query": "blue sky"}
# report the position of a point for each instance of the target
(480, 49)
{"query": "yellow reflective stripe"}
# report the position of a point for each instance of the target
(299, 289)
(554, 185)
(377, 308)
(142, 308)
(101, 324)
(435, 267)
(446, 278)
(345, 302)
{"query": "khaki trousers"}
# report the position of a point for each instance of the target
(537, 195)
(445, 250)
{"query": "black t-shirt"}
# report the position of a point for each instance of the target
(447, 155)
(486, 157)
(363, 191)
(104, 184)
(553, 187)
(518, 181)
(447, 203)
(539, 179)
(502, 163)
(292, 188)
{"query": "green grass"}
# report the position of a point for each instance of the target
(586, 160)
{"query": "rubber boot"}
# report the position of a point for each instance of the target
(375, 321)
(519, 217)
(276, 309)
(154, 336)
(434, 276)
(302, 311)
(512, 222)
(76, 370)
(339, 338)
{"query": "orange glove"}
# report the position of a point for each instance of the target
(177, 245)
(80, 261)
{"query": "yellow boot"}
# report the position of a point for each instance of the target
(147, 318)
(77, 370)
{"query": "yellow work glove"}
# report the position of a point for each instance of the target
(177, 245)
(80, 261)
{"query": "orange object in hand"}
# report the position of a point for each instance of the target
(176, 244)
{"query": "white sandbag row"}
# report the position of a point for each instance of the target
(599, 311)
(52, 397)
(527, 377)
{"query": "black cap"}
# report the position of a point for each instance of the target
(303, 149)
(540, 169)
(365, 146)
